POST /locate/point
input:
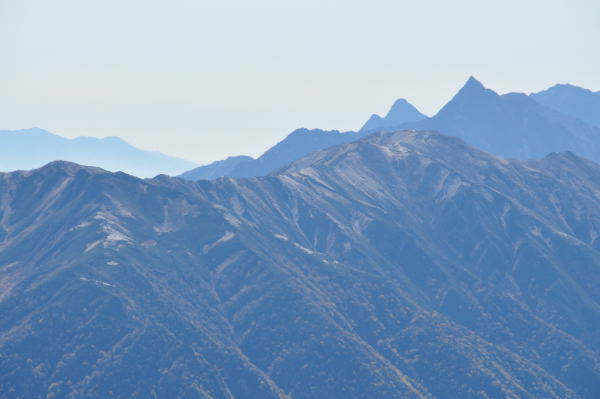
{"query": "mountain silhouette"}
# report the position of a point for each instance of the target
(511, 125)
(31, 148)
(572, 100)
(296, 145)
(401, 112)
(216, 169)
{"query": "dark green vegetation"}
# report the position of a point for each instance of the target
(403, 265)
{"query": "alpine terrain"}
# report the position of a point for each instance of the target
(514, 125)
(403, 265)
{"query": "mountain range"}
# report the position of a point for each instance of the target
(401, 112)
(217, 169)
(514, 125)
(401, 265)
(296, 145)
(561, 118)
(300, 143)
(32, 148)
(571, 100)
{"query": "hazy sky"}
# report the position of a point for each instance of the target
(206, 79)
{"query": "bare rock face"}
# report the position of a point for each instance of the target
(402, 265)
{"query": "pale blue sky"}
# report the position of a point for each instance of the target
(203, 80)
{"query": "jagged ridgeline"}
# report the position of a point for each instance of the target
(401, 265)
(514, 125)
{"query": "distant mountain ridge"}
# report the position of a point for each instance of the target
(401, 112)
(31, 148)
(216, 169)
(572, 100)
(512, 125)
(296, 145)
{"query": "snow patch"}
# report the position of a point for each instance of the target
(120, 208)
(347, 247)
(92, 245)
(114, 235)
(81, 225)
(148, 243)
(536, 231)
(97, 282)
(308, 251)
(229, 261)
(452, 188)
(226, 237)
(235, 222)
(113, 228)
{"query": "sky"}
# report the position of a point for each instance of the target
(203, 80)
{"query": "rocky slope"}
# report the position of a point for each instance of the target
(401, 265)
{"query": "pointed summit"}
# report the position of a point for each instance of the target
(473, 82)
(513, 125)
(399, 104)
(473, 96)
(472, 87)
(401, 112)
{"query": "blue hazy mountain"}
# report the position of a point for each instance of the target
(31, 148)
(512, 125)
(300, 143)
(401, 112)
(401, 265)
(216, 169)
(572, 100)
(296, 145)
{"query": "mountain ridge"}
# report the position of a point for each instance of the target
(400, 112)
(404, 264)
(512, 125)
(576, 101)
(294, 146)
(30, 148)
